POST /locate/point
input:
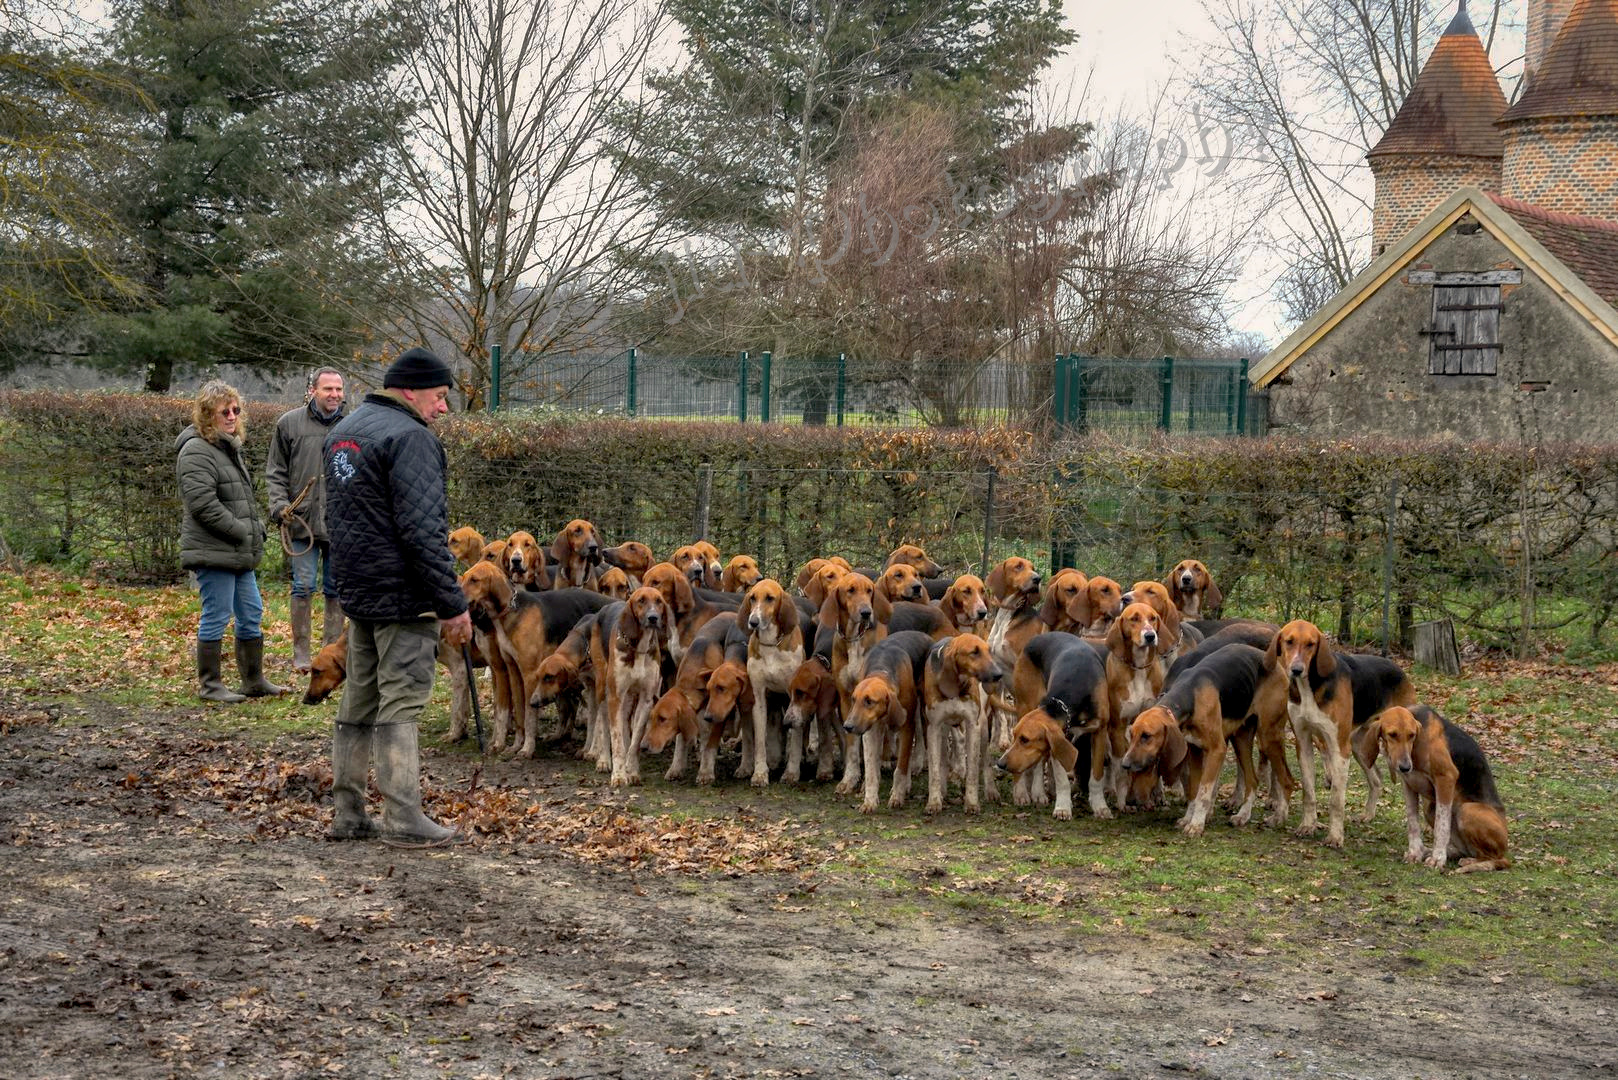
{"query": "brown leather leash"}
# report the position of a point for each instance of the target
(290, 514)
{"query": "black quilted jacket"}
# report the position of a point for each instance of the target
(387, 510)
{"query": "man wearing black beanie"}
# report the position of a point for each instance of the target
(387, 512)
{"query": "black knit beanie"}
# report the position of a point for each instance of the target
(418, 369)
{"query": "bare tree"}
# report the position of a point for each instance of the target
(514, 214)
(1304, 88)
(1154, 262)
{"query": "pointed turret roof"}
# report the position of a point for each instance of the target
(1579, 75)
(1451, 110)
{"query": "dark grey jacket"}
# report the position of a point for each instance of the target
(220, 528)
(296, 454)
(387, 511)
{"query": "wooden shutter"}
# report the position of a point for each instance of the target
(1465, 332)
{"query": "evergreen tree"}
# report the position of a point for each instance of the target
(258, 129)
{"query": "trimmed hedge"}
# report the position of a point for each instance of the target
(1486, 534)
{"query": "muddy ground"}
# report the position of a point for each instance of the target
(170, 909)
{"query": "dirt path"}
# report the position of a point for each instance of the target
(152, 929)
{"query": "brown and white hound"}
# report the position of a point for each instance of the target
(1444, 770)
(1193, 590)
(675, 715)
(690, 611)
(466, 544)
(775, 651)
(1173, 633)
(632, 557)
(1013, 590)
(1330, 698)
(955, 699)
(635, 642)
(524, 562)
(521, 629)
(1135, 672)
(914, 557)
(564, 679)
(577, 552)
(1209, 704)
(699, 562)
(901, 582)
(740, 574)
(966, 604)
(887, 701)
(1060, 679)
(851, 622)
(615, 584)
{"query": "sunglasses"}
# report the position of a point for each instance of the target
(230, 410)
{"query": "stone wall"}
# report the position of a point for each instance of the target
(1557, 377)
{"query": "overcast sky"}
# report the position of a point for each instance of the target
(1130, 51)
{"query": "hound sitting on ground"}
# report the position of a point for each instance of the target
(1445, 770)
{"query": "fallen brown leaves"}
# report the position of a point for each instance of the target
(277, 798)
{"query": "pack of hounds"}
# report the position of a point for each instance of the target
(1138, 694)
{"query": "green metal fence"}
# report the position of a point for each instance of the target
(1122, 397)
(1170, 394)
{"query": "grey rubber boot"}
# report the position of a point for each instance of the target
(334, 621)
(300, 634)
(211, 686)
(250, 664)
(398, 776)
(350, 765)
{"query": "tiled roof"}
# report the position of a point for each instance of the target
(1587, 246)
(1452, 108)
(1579, 75)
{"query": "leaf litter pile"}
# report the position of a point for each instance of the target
(272, 797)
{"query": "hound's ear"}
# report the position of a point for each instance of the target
(1171, 584)
(1213, 599)
(629, 627)
(1372, 740)
(595, 534)
(1063, 751)
(996, 583)
(1050, 612)
(745, 608)
(560, 547)
(950, 605)
(831, 611)
(500, 594)
(1086, 611)
(1115, 638)
(1171, 627)
(1272, 655)
(1174, 749)
(1325, 662)
(881, 606)
(684, 599)
(896, 713)
(801, 582)
(949, 671)
(786, 616)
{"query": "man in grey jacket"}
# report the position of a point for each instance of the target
(293, 474)
(387, 510)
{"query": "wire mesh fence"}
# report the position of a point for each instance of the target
(1366, 565)
(1123, 397)
(1134, 398)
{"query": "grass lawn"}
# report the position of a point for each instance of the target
(1551, 730)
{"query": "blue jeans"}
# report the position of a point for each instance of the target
(305, 567)
(226, 593)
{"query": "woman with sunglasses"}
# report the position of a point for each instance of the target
(222, 541)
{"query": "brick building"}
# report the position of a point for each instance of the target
(1490, 309)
